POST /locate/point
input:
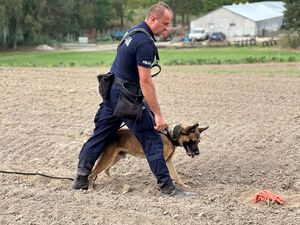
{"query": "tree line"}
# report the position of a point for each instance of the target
(31, 22)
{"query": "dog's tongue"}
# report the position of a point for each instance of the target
(190, 153)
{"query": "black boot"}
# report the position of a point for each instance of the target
(80, 182)
(171, 190)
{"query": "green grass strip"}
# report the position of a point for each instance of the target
(187, 56)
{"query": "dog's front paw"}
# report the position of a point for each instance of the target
(186, 186)
(91, 186)
(107, 174)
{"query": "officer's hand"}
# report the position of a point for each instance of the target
(159, 123)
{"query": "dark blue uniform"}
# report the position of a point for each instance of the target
(138, 50)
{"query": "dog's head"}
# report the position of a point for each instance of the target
(187, 137)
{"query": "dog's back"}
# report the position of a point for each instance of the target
(126, 143)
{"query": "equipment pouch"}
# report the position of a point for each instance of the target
(130, 103)
(105, 82)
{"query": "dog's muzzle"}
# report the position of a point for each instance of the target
(191, 148)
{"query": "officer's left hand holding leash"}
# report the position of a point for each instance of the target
(160, 124)
(148, 90)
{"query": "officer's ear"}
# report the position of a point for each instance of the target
(153, 19)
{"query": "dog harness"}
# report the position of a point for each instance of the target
(142, 30)
(174, 133)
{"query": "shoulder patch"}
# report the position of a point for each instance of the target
(147, 63)
(128, 40)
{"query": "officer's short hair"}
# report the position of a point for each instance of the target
(158, 10)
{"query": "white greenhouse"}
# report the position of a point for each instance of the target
(249, 19)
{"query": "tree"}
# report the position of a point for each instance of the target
(77, 18)
(119, 7)
(184, 9)
(292, 14)
(32, 20)
(209, 5)
(103, 14)
(3, 25)
(57, 18)
(13, 13)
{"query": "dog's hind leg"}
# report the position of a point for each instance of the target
(103, 162)
(174, 175)
(116, 159)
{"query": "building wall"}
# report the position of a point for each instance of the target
(229, 23)
(269, 25)
(233, 24)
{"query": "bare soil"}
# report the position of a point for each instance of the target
(252, 144)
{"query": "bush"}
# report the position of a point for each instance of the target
(214, 61)
(290, 41)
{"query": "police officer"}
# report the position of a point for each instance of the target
(133, 63)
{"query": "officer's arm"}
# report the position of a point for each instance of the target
(148, 90)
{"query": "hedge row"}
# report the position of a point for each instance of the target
(229, 61)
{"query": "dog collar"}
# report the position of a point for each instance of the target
(173, 134)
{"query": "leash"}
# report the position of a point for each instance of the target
(158, 66)
(142, 30)
(35, 174)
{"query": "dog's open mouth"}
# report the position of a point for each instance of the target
(189, 152)
(191, 149)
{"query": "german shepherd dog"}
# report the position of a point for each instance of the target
(125, 142)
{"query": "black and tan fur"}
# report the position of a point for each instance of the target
(126, 143)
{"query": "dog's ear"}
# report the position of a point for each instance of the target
(192, 129)
(202, 129)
